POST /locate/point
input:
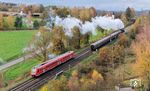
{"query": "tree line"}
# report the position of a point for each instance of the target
(10, 7)
(142, 51)
(18, 23)
(84, 14)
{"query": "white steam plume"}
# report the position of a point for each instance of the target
(105, 22)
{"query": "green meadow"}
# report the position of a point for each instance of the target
(13, 42)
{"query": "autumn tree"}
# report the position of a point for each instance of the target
(73, 83)
(3, 7)
(24, 8)
(96, 76)
(87, 84)
(92, 11)
(135, 28)
(44, 15)
(58, 84)
(123, 40)
(117, 54)
(104, 56)
(142, 50)
(58, 37)
(85, 38)
(62, 12)
(112, 56)
(130, 13)
(10, 22)
(85, 15)
(1, 22)
(44, 88)
(1, 79)
(75, 12)
(124, 18)
(76, 38)
(42, 44)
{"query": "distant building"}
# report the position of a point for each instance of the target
(37, 15)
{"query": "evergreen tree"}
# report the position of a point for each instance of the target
(18, 22)
(36, 24)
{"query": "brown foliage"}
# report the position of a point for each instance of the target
(58, 37)
(1, 22)
(62, 12)
(104, 55)
(141, 47)
(75, 12)
(76, 38)
(123, 40)
(111, 56)
(11, 22)
(85, 14)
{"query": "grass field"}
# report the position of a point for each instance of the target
(19, 70)
(98, 36)
(12, 43)
(17, 74)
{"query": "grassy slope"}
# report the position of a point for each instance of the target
(17, 73)
(12, 42)
(98, 36)
(19, 69)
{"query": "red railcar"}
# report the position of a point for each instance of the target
(50, 64)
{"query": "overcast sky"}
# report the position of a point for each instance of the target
(98, 4)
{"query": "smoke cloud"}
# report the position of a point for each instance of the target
(105, 22)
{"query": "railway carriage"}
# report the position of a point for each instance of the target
(105, 40)
(50, 64)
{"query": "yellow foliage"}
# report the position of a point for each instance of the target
(11, 22)
(75, 73)
(44, 88)
(1, 21)
(96, 76)
(86, 84)
(59, 84)
(141, 48)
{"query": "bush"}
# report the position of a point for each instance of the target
(124, 40)
(111, 56)
(84, 69)
(36, 24)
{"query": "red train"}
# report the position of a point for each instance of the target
(50, 64)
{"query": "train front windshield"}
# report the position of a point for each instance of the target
(33, 71)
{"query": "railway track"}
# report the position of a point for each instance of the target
(33, 83)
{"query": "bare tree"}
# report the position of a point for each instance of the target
(42, 44)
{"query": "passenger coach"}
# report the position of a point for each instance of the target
(50, 64)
